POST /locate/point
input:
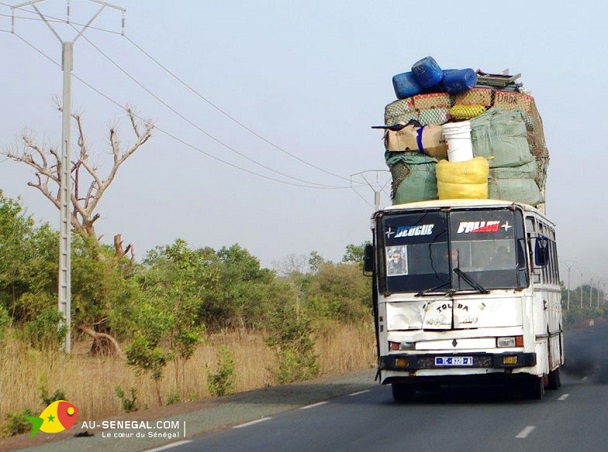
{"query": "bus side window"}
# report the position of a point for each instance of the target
(541, 251)
(531, 230)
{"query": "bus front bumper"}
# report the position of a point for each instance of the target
(414, 362)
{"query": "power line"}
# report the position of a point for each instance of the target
(212, 137)
(236, 121)
(216, 107)
(173, 136)
(52, 19)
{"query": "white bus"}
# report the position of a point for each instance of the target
(466, 291)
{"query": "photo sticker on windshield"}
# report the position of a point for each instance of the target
(396, 260)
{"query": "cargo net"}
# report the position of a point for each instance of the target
(399, 172)
(438, 108)
(538, 148)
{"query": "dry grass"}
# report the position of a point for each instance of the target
(90, 382)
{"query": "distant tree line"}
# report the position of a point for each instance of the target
(582, 304)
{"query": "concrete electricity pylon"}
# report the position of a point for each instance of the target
(65, 225)
(374, 179)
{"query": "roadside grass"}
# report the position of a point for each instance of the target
(91, 383)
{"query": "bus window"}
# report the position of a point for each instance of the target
(448, 250)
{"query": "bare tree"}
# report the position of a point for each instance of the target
(89, 184)
(291, 264)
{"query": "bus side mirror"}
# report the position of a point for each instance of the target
(541, 251)
(368, 258)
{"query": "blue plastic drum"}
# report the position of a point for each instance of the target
(406, 85)
(427, 72)
(458, 80)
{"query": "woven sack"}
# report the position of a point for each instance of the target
(501, 136)
(518, 190)
(413, 176)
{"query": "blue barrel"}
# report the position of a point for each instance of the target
(406, 85)
(427, 72)
(458, 80)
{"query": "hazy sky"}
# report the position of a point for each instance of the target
(309, 78)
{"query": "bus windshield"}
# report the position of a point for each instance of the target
(453, 250)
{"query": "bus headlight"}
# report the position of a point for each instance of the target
(509, 341)
(396, 346)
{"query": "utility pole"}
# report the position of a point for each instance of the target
(65, 218)
(376, 185)
(569, 264)
(581, 288)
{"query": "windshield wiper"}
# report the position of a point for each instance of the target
(470, 281)
(424, 292)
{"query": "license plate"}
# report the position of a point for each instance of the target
(453, 360)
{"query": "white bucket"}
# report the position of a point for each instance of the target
(458, 137)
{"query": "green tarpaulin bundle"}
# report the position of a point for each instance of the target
(413, 176)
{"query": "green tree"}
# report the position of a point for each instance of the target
(315, 260)
(28, 262)
(243, 290)
(104, 296)
(175, 277)
(354, 254)
(291, 335)
(339, 291)
(146, 353)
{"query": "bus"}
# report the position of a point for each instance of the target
(466, 292)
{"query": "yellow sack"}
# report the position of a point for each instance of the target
(466, 111)
(462, 191)
(457, 180)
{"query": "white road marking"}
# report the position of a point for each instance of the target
(257, 421)
(584, 378)
(564, 397)
(169, 446)
(313, 405)
(525, 432)
(358, 393)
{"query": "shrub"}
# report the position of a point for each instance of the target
(17, 423)
(129, 405)
(291, 337)
(43, 333)
(222, 381)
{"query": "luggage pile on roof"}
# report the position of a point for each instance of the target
(505, 130)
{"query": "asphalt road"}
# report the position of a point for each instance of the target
(352, 413)
(572, 419)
